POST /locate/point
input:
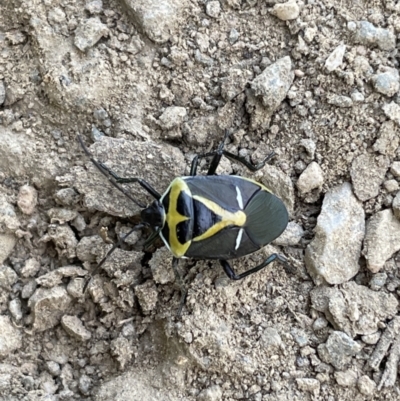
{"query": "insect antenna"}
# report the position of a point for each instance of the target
(114, 247)
(108, 174)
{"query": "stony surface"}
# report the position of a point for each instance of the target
(382, 239)
(48, 306)
(153, 84)
(333, 255)
(354, 309)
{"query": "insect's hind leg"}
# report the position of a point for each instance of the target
(233, 276)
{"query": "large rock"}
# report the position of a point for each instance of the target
(333, 254)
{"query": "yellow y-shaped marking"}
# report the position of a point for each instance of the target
(237, 218)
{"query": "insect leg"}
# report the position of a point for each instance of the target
(115, 180)
(249, 165)
(233, 276)
(182, 286)
(217, 154)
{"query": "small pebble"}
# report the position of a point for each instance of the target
(391, 185)
(27, 199)
(213, 9)
(377, 281)
(335, 59)
(371, 339)
(366, 385)
(311, 178)
(395, 169)
(286, 11)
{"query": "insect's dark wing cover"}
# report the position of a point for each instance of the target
(267, 218)
(222, 246)
(221, 189)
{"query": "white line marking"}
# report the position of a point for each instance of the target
(239, 198)
(238, 239)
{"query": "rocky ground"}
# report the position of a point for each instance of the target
(148, 84)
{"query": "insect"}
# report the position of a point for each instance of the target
(219, 217)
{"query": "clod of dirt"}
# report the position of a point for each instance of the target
(8, 218)
(75, 328)
(67, 196)
(172, 117)
(48, 306)
(55, 277)
(147, 295)
(122, 350)
(367, 174)
(382, 239)
(64, 239)
(338, 350)
(212, 393)
(161, 266)
(354, 309)
(333, 254)
(10, 337)
(88, 33)
(60, 215)
(89, 248)
(308, 384)
(388, 139)
(31, 267)
(340, 100)
(392, 110)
